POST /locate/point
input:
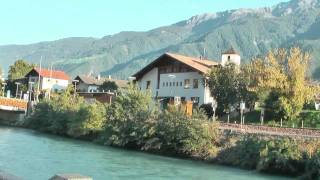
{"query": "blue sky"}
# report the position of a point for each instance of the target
(29, 21)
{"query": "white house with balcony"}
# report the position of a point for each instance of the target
(181, 77)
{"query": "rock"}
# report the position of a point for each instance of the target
(6, 176)
(70, 177)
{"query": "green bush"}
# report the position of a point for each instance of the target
(66, 114)
(310, 119)
(243, 153)
(89, 120)
(313, 167)
(179, 133)
(130, 119)
(281, 156)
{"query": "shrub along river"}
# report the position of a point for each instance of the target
(36, 156)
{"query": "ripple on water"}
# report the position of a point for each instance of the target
(34, 156)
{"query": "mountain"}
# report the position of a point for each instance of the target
(252, 32)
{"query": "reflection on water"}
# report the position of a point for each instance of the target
(34, 156)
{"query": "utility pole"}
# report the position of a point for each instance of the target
(39, 80)
(75, 87)
(17, 90)
(4, 88)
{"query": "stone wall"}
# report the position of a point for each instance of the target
(11, 117)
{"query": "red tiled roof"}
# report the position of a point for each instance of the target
(52, 74)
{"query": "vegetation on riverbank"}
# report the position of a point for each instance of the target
(134, 121)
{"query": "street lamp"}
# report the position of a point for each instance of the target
(30, 90)
(75, 81)
(17, 90)
(4, 88)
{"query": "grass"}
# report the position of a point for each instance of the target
(310, 118)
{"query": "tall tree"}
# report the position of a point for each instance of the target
(230, 85)
(282, 76)
(19, 69)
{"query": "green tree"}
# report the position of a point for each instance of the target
(223, 84)
(19, 69)
(89, 120)
(230, 85)
(108, 86)
(130, 119)
(67, 114)
(283, 74)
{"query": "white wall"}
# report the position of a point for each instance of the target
(180, 91)
(50, 83)
(150, 76)
(234, 58)
(93, 88)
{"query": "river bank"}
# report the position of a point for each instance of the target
(134, 121)
(45, 155)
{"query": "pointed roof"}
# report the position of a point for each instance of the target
(90, 80)
(201, 65)
(231, 51)
(50, 74)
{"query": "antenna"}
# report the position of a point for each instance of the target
(51, 72)
(39, 80)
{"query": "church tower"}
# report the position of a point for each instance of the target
(230, 56)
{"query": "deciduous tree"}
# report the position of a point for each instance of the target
(283, 73)
(19, 69)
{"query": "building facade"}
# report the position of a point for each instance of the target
(182, 78)
(88, 83)
(49, 80)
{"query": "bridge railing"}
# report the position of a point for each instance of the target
(13, 104)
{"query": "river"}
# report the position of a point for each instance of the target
(36, 156)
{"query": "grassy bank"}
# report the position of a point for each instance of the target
(134, 121)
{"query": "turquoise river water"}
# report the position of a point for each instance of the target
(36, 156)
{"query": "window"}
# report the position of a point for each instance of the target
(167, 84)
(187, 83)
(163, 84)
(195, 100)
(195, 83)
(177, 84)
(183, 99)
(173, 84)
(148, 84)
(180, 83)
(170, 84)
(229, 58)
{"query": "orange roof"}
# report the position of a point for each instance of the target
(201, 65)
(196, 63)
(52, 74)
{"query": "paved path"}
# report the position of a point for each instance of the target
(256, 129)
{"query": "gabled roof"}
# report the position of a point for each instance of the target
(200, 65)
(50, 73)
(90, 80)
(230, 51)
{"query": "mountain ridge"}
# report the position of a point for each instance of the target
(252, 32)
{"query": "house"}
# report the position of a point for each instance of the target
(181, 78)
(88, 83)
(49, 79)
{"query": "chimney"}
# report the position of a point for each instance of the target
(109, 77)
